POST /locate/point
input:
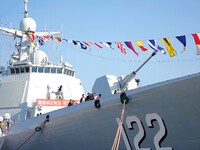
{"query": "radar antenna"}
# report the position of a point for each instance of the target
(25, 8)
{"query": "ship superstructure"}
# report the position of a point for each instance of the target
(31, 83)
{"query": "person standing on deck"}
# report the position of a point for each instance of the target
(82, 98)
(70, 103)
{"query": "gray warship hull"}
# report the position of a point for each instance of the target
(162, 116)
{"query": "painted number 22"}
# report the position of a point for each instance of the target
(130, 120)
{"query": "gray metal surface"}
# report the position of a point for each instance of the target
(161, 116)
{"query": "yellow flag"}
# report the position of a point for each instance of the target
(140, 45)
(169, 47)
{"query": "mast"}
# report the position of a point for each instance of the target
(25, 8)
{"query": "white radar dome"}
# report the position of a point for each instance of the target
(38, 57)
(28, 24)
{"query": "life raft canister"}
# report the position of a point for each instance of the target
(97, 103)
(123, 98)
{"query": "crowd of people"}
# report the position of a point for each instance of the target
(89, 97)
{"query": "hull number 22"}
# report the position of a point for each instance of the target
(140, 136)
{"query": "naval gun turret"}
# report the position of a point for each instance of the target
(110, 84)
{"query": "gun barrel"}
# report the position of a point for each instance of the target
(153, 54)
(130, 76)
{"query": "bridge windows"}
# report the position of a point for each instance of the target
(17, 70)
(40, 69)
(59, 70)
(22, 70)
(66, 71)
(12, 70)
(27, 69)
(53, 70)
(46, 70)
(36, 69)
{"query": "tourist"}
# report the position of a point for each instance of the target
(70, 103)
(99, 96)
(82, 98)
(87, 97)
(91, 96)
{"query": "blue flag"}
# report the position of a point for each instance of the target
(83, 46)
(154, 45)
(182, 39)
(41, 40)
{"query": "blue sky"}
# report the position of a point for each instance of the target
(111, 21)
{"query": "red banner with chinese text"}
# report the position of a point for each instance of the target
(52, 102)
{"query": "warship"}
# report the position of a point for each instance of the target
(35, 113)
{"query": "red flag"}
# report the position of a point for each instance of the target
(96, 44)
(197, 41)
(140, 45)
(121, 47)
(86, 43)
(15, 35)
(46, 37)
(57, 39)
(130, 45)
(31, 36)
